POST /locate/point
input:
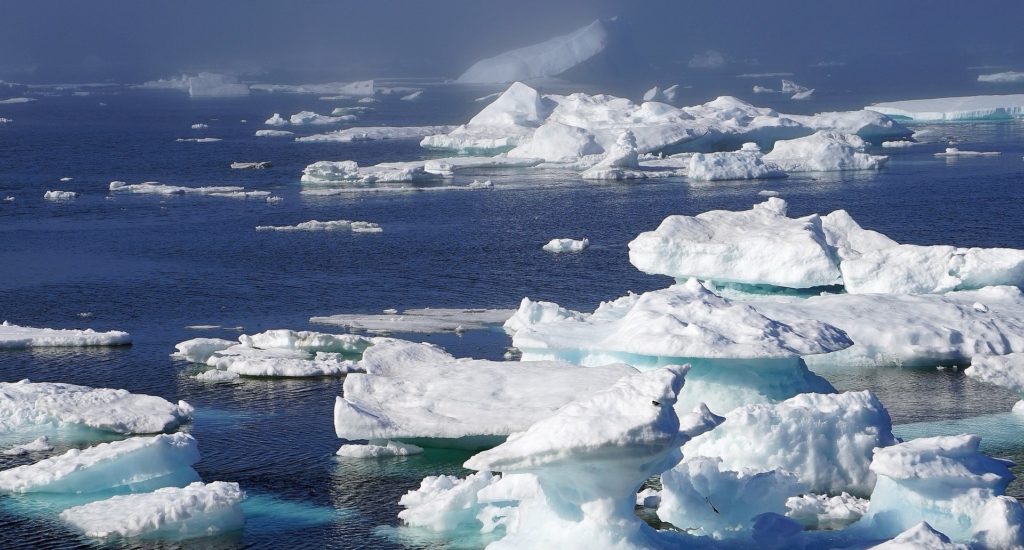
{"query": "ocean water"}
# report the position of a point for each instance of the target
(155, 265)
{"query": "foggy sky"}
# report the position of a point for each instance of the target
(317, 40)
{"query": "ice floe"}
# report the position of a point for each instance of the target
(200, 126)
(40, 444)
(549, 58)
(1002, 370)
(196, 510)
(376, 133)
(378, 450)
(204, 84)
(415, 96)
(738, 165)
(19, 337)
(136, 464)
(157, 188)
(250, 165)
(60, 195)
(359, 88)
(955, 152)
(16, 100)
(420, 320)
(200, 140)
(274, 133)
(333, 225)
(419, 392)
(979, 107)
(566, 245)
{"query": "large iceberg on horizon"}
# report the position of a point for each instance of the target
(549, 58)
(196, 510)
(979, 107)
(19, 337)
(418, 391)
(204, 84)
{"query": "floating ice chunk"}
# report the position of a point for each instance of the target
(767, 193)
(944, 481)
(898, 144)
(198, 350)
(200, 126)
(276, 120)
(40, 444)
(806, 94)
(26, 404)
(445, 503)
(1000, 524)
(868, 125)
(347, 171)
(305, 118)
(566, 245)
(415, 96)
(448, 166)
(19, 337)
(506, 122)
(818, 512)
(376, 133)
(5, 120)
(1003, 77)
(535, 313)
(954, 152)
(413, 391)
(280, 353)
(911, 269)
(420, 320)
(790, 87)
(763, 90)
(621, 159)
(215, 375)
(250, 165)
(274, 133)
(549, 58)
(334, 225)
(920, 537)
(138, 463)
(590, 458)
(913, 331)
(822, 152)
(15, 100)
(979, 107)
(197, 510)
(378, 450)
(557, 142)
(738, 165)
(200, 140)
(757, 246)
(648, 498)
(826, 440)
(1002, 370)
(156, 188)
(59, 195)
(701, 496)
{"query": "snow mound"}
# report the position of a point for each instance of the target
(197, 510)
(566, 245)
(18, 337)
(30, 404)
(420, 391)
(138, 463)
(979, 107)
(549, 58)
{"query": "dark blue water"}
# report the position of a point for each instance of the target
(153, 265)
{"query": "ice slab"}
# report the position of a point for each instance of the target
(25, 405)
(197, 510)
(378, 449)
(250, 165)
(333, 225)
(548, 58)
(40, 444)
(979, 107)
(566, 245)
(349, 172)
(156, 188)
(19, 337)
(954, 152)
(274, 133)
(420, 320)
(135, 464)
(418, 391)
(60, 195)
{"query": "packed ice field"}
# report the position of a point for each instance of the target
(698, 415)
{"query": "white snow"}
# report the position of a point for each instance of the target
(979, 107)
(333, 225)
(445, 503)
(134, 463)
(420, 320)
(549, 58)
(197, 510)
(59, 195)
(566, 245)
(24, 405)
(825, 440)
(420, 391)
(822, 152)
(375, 133)
(19, 337)
(204, 84)
(1003, 77)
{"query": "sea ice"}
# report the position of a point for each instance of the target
(1002, 370)
(15, 100)
(59, 195)
(504, 123)
(250, 165)
(40, 444)
(200, 126)
(19, 337)
(359, 88)
(566, 245)
(415, 96)
(135, 464)
(196, 510)
(979, 107)
(378, 450)
(200, 140)
(418, 391)
(25, 405)
(334, 225)
(549, 58)
(737, 165)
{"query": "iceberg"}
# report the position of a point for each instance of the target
(26, 405)
(446, 503)
(420, 320)
(204, 84)
(790, 87)
(376, 133)
(668, 95)
(948, 483)
(38, 445)
(825, 440)
(503, 124)
(1003, 77)
(739, 165)
(196, 510)
(557, 142)
(823, 152)
(806, 94)
(415, 96)
(60, 195)
(911, 269)
(19, 337)
(419, 392)
(550, 58)
(334, 225)
(621, 162)
(200, 126)
(533, 313)
(134, 464)
(920, 537)
(566, 245)
(979, 107)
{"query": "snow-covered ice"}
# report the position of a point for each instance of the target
(200, 140)
(333, 225)
(200, 126)
(1002, 370)
(979, 107)
(196, 510)
(737, 165)
(19, 337)
(415, 96)
(549, 58)
(250, 165)
(420, 320)
(418, 391)
(359, 88)
(16, 100)
(566, 245)
(135, 464)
